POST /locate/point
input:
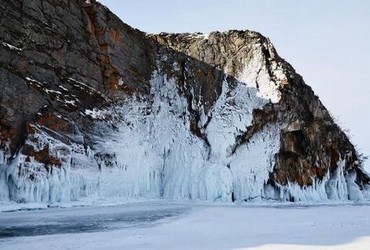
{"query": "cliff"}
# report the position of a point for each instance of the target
(91, 108)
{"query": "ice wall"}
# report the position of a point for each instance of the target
(153, 153)
(158, 155)
(23, 179)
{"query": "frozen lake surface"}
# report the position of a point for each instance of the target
(80, 220)
(188, 225)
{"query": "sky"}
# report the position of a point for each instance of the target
(327, 42)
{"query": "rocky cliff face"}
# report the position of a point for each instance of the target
(91, 108)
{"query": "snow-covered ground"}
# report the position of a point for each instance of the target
(175, 225)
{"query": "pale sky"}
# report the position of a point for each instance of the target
(327, 42)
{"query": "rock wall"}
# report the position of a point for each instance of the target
(311, 144)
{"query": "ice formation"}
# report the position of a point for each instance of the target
(154, 154)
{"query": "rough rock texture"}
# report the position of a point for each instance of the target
(50, 49)
(311, 143)
(65, 66)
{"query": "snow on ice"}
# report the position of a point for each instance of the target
(169, 225)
